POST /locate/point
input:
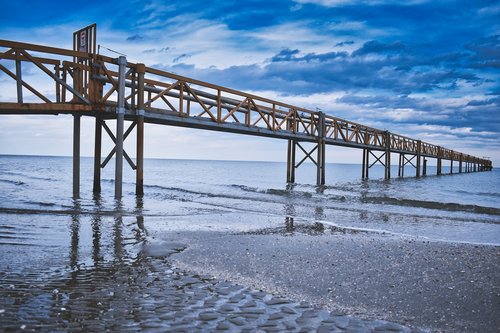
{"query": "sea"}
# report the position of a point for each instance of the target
(47, 235)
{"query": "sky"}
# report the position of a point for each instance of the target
(425, 69)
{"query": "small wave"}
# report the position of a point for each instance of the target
(484, 194)
(288, 193)
(245, 188)
(15, 182)
(32, 211)
(25, 175)
(177, 189)
(18, 244)
(39, 203)
(432, 205)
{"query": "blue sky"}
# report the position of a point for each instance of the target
(426, 69)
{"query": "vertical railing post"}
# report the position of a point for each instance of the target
(57, 72)
(139, 183)
(219, 106)
(19, 80)
(120, 118)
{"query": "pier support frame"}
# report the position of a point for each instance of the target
(403, 161)
(424, 167)
(451, 166)
(381, 159)
(318, 160)
(76, 155)
(319, 148)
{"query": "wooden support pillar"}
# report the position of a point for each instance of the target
(417, 165)
(364, 164)
(97, 155)
(367, 165)
(320, 167)
(290, 173)
(320, 160)
(460, 164)
(76, 155)
(292, 165)
(289, 161)
(399, 165)
(451, 166)
(323, 167)
(424, 167)
(439, 161)
(387, 155)
(139, 180)
(120, 118)
(401, 169)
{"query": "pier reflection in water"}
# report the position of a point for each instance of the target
(53, 288)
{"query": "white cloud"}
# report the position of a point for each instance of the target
(337, 3)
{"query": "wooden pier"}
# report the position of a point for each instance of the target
(82, 82)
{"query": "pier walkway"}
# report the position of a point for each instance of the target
(82, 82)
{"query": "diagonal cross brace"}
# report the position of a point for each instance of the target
(377, 159)
(113, 151)
(409, 161)
(308, 155)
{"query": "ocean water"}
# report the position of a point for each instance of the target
(456, 208)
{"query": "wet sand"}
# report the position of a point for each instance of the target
(151, 294)
(437, 286)
(111, 274)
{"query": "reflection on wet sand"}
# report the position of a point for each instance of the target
(76, 293)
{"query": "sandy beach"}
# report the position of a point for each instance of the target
(436, 286)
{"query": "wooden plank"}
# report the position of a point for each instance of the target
(47, 61)
(42, 48)
(52, 107)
